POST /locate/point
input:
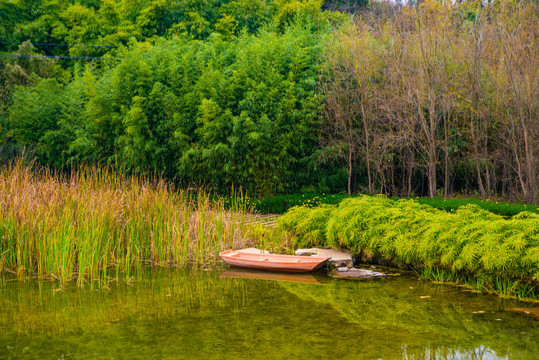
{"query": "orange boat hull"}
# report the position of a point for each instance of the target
(273, 262)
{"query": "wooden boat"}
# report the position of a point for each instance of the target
(273, 262)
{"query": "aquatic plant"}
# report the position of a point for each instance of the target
(96, 224)
(467, 243)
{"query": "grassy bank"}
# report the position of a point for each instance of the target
(494, 206)
(282, 203)
(469, 245)
(96, 224)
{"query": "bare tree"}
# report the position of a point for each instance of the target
(517, 82)
(341, 113)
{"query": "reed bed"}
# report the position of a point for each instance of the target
(97, 225)
(469, 245)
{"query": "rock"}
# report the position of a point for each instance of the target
(253, 251)
(357, 274)
(306, 252)
(338, 258)
(342, 269)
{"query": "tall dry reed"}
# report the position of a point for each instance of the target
(96, 224)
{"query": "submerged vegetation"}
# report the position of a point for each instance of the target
(468, 245)
(96, 224)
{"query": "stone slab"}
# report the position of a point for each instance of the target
(306, 252)
(357, 274)
(338, 258)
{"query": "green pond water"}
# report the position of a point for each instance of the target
(216, 315)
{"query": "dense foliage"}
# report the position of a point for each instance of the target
(225, 111)
(215, 112)
(112, 23)
(279, 96)
(469, 242)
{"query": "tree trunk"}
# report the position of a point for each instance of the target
(432, 148)
(531, 169)
(410, 172)
(476, 158)
(446, 157)
(367, 148)
(350, 169)
(432, 176)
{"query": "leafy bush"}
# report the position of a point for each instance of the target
(470, 241)
(282, 203)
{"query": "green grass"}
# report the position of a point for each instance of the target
(282, 203)
(498, 207)
(98, 225)
(459, 245)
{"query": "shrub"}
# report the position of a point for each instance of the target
(470, 242)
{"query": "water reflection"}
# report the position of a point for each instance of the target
(317, 278)
(198, 314)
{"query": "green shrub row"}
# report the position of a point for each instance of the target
(497, 207)
(282, 203)
(468, 243)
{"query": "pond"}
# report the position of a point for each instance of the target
(223, 314)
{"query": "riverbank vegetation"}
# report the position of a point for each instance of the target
(469, 245)
(280, 96)
(273, 97)
(97, 225)
(280, 204)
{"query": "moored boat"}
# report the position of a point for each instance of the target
(273, 261)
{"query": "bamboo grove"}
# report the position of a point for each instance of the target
(280, 96)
